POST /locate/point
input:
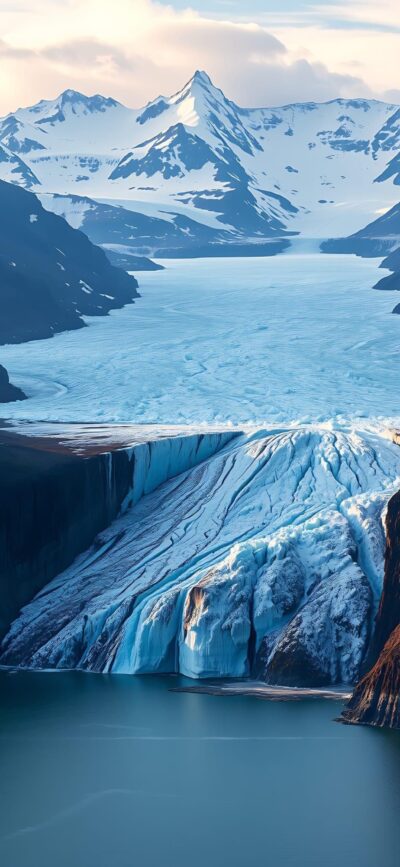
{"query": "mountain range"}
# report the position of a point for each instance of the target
(194, 173)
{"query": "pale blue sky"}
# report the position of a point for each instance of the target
(305, 11)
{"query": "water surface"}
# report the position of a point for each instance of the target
(102, 771)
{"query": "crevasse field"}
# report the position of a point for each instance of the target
(295, 338)
(299, 352)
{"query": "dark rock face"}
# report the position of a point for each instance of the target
(8, 392)
(50, 274)
(388, 617)
(376, 700)
(130, 262)
(128, 237)
(52, 505)
(308, 652)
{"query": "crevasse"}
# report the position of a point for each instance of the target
(265, 558)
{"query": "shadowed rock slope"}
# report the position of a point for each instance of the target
(50, 274)
(376, 700)
(8, 392)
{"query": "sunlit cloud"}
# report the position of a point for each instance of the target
(136, 49)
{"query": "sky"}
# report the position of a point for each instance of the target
(260, 52)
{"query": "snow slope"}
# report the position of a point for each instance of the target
(320, 169)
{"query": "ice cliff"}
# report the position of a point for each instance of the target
(266, 558)
(60, 488)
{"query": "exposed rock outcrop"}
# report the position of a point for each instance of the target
(376, 700)
(376, 239)
(388, 617)
(310, 650)
(9, 392)
(379, 238)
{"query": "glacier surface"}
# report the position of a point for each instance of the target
(294, 338)
(264, 559)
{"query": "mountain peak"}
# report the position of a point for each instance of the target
(93, 103)
(201, 77)
(70, 95)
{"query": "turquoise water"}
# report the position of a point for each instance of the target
(101, 771)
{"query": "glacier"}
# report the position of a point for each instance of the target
(265, 558)
(262, 558)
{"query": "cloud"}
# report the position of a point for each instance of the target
(87, 55)
(8, 51)
(136, 49)
(297, 81)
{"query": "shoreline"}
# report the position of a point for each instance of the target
(267, 692)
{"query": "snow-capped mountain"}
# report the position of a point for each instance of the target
(50, 274)
(321, 170)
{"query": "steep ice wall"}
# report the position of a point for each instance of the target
(54, 498)
(266, 558)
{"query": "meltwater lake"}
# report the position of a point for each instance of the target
(117, 771)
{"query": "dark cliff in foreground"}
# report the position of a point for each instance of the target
(376, 699)
(9, 392)
(50, 274)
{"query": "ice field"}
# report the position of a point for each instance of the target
(295, 338)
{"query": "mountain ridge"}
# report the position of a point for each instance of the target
(257, 173)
